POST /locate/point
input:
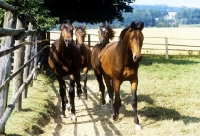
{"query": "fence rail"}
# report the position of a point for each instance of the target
(153, 45)
(22, 45)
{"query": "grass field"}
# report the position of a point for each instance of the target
(168, 103)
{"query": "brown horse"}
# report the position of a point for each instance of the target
(65, 59)
(119, 61)
(80, 33)
(105, 34)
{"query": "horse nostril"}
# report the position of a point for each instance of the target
(134, 58)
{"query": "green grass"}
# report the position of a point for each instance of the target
(169, 92)
(37, 109)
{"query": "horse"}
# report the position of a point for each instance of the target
(65, 59)
(105, 33)
(85, 50)
(119, 61)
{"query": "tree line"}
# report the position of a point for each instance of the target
(118, 14)
(155, 16)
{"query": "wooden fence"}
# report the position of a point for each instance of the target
(151, 45)
(19, 44)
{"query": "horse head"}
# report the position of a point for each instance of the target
(135, 40)
(105, 33)
(66, 29)
(80, 35)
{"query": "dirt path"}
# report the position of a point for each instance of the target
(92, 120)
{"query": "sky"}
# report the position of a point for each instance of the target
(176, 3)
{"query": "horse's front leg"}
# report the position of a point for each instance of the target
(62, 91)
(72, 96)
(117, 102)
(85, 71)
(78, 83)
(101, 87)
(110, 91)
(134, 85)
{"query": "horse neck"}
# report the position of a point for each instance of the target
(107, 41)
(122, 49)
(60, 45)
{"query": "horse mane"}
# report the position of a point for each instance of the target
(122, 34)
(111, 31)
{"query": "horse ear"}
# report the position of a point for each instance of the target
(84, 26)
(74, 27)
(103, 24)
(61, 27)
(141, 26)
(132, 25)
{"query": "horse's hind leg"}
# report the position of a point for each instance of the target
(134, 103)
(62, 92)
(85, 71)
(72, 96)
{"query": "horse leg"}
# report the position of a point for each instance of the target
(85, 71)
(63, 96)
(134, 103)
(110, 91)
(117, 101)
(101, 87)
(78, 84)
(72, 96)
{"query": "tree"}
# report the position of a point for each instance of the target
(89, 11)
(36, 10)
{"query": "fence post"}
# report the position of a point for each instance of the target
(44, 57)
(26, 59)
(166, 47)
(31, 55)
(18, 62)
(5, 61)
(89, 40)
(35, 59)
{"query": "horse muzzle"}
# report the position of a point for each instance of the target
(79, 45)
(68, 42)
(137, 59)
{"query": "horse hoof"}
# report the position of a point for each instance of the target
(107, 99)
(138, 127)
(62, 116)
(104, 106)
(85, 96)
(77, 98)
(74, 118)
(68, 107)
(115, 117)
(100, 96)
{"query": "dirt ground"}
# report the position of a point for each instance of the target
(92, 120)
